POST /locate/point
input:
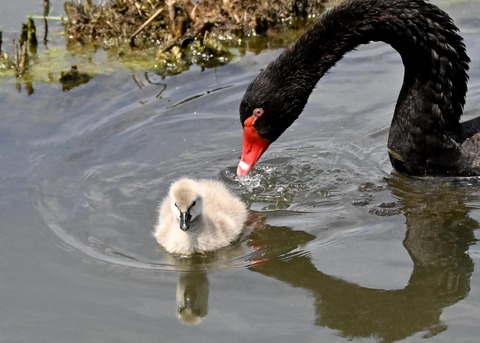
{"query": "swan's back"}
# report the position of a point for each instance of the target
(217, 198)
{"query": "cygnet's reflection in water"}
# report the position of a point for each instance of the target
(193, 286)
(439, 233)
(192, 296)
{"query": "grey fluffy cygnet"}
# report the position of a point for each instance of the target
(199, 216)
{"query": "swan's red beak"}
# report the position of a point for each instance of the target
(253, 147)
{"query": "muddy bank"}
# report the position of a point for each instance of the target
(165, 36)
(145, 23)
(183, 32)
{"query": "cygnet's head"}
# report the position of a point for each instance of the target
(186, 199)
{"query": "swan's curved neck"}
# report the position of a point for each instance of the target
(435, 81)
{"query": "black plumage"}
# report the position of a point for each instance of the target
(426, 136)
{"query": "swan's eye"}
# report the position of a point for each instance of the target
(258, 112)
(193, 204)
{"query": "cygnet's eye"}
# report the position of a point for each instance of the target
(258, 112)
(193, 204)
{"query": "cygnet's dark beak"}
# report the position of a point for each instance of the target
(185, 218)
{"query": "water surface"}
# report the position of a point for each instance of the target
(338, 246)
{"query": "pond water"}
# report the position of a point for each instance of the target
(338, 246)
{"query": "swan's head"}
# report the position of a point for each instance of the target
(270, 105)
(186, 201)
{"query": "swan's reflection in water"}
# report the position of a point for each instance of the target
(255, 247)
(192, 297)
(193, 285)
(439, 233)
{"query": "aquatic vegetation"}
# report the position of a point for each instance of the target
(19, 61)
(146, 23)
(182, 32)
(72, 78)
(166, 36)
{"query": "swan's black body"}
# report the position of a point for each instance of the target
(426, 137)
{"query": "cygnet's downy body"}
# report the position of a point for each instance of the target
(199, 216)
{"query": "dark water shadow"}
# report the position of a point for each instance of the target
(439, 233)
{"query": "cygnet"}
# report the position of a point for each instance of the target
(199, 216)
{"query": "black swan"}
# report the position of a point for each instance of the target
(426, 137)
